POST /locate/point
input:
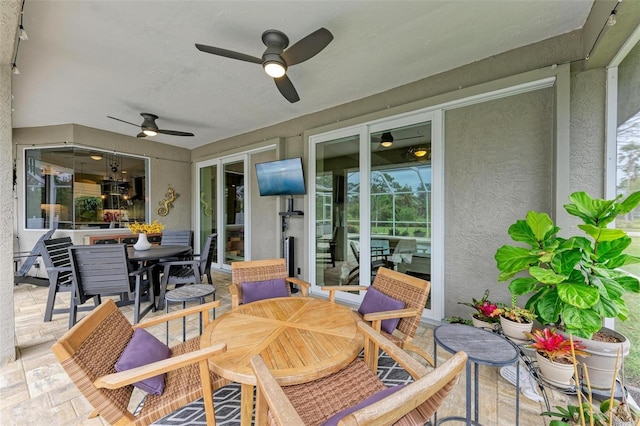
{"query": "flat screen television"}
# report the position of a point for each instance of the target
(281, 177)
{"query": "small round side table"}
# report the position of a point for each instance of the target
(482, 347)
(185, 294)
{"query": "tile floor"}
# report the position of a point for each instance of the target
(35, 390)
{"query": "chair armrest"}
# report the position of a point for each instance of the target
(235, 296)
(59, 269)
(304, 286)
(141, 271)
(177, 314)
(333, 288)
(383, 315)
(411, 365)
(269, 390)
(123, 378)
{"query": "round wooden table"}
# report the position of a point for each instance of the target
(300, 339)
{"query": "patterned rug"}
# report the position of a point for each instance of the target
(226, 400)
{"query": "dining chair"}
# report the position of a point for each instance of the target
(103, 270)
(90, 351)
(411, 292)
(261, 271)
(181, 237)
(192, 271)
(355, 395)
(58, 266)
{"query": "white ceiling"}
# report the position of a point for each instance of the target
(85, 60)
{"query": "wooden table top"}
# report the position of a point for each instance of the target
(300, 339)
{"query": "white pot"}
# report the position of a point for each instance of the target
(555, 372)
(601, 364)
(142, 243)
(515, 330)
(483, 324)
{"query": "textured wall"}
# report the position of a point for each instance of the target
(497, 167)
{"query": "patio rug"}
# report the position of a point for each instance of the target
(226, 400)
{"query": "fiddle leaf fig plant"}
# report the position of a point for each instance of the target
(572, 281)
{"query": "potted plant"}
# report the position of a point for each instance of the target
(554, 354)
(515, 321)
(486, 313)
(574, 282)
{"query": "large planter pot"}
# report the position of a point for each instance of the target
(483, 324)
(555, 372)
(515, 330)
(601, 363)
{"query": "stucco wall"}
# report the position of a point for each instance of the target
(497, 167)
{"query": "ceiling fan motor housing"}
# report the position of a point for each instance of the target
(149, 122)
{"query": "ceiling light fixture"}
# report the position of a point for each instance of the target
(612, 18)
(14, 69)
(386, 140)
(96, 157)
(419, 151)
(274, 69)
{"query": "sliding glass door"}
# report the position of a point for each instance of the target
(373, 202)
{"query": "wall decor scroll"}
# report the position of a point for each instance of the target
(167, 203)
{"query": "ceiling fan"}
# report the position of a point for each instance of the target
(275, 59)
(150, 128)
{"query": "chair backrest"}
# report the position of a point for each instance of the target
(90, 350)
(257, 270)
(411, 290)
(56, 255)
(355, 249)
(207, 253)
(37, 250)
(99, 270)
(183, 237)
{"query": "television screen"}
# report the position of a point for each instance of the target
(281, 177)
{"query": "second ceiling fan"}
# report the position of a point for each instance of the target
(150, 128)
(275, 59)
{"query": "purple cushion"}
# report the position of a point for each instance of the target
(376, 301)
(258, 290)
(143, 349)
(333, 420)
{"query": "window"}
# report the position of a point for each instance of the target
(78, 188)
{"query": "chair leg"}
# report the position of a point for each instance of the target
(163, 289)
(51, 298)
(73, 308)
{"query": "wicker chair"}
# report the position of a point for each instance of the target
(260, 270)
(314, 402)
(89, 351)
(412, 291)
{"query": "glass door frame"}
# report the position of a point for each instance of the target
(220, 163)
(364, 131)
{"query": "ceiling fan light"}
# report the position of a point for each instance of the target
(386, 140)
(274, 69)
(96, 157)
(420, 152)
(149, 132)
(386, 144)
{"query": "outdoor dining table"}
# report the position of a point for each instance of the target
(153, 255)
(300, 339)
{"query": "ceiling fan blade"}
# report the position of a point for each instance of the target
(228, 53)
(141, 135)
(174, 133)
(117, 119)
(308, 47)
(285, 86)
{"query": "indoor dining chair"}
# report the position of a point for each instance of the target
(355, 395)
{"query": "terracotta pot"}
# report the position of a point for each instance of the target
(555, 372)
(515, 330)
(483, 324)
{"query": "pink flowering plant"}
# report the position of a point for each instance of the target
(485, 310)
(554, 346)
